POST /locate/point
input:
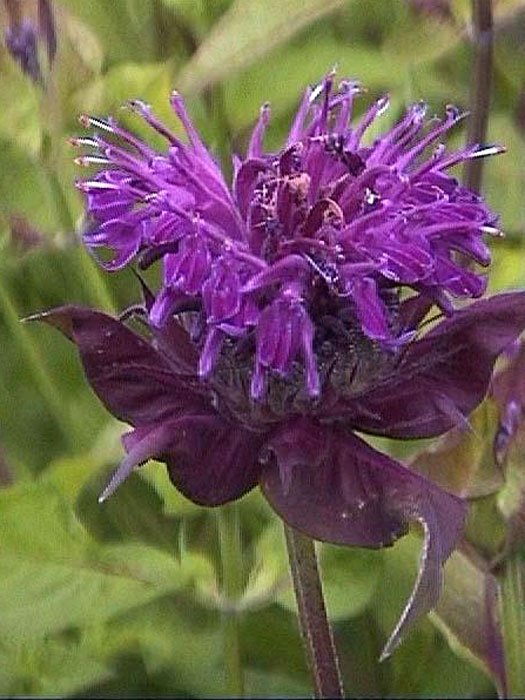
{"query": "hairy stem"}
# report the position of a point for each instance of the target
(315, 628)
(232, 588)
(483, 40)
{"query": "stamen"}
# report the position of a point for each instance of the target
(487, 151)
(492, 231)
(87, 185)
(78, 141)
(88, 122)
(86, 161)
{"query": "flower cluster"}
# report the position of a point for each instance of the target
(326, 231)
(290, 314)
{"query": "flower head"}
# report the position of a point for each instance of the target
(289, 312)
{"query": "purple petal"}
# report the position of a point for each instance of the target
(450, 366)
(164, 305)
(245, 182)
(134, 381)
(255, 147)
(209, 460)
(369, 307)
(336, 488)
(221, 292)
(289, 267)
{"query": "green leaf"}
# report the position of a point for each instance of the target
(134, 513)
(247, 31)
(53, 575)
(175, 639)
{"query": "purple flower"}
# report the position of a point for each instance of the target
(290, 315)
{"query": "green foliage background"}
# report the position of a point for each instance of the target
(124, 599)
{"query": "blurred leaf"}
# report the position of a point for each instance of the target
(44, 667)
(171, 636)
(271, 642)
(246, 32)
(19, 116)
(151, 82)
(24, 184)
(485, 527)
(134, 513)
(349, 574)
(295, 66)
(467, 614)
(511, 499)
(504, 179)
(124, 28)
(85, 42)
(53, 575)
(197, 14)
(463, 460)
(434, 39)
(173, 502)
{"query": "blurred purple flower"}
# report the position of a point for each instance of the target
(288, 317)
(22, 44)
(437, 8)
(23, 35)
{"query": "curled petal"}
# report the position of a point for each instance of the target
(336, 488)
(142, 445)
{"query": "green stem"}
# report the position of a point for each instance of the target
(513, 620)
(313, 620)
(35, 365)
(232, 588)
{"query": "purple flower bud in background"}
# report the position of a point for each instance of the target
(438, 8)
(23, 36)
(21, 42)
(290, 314)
